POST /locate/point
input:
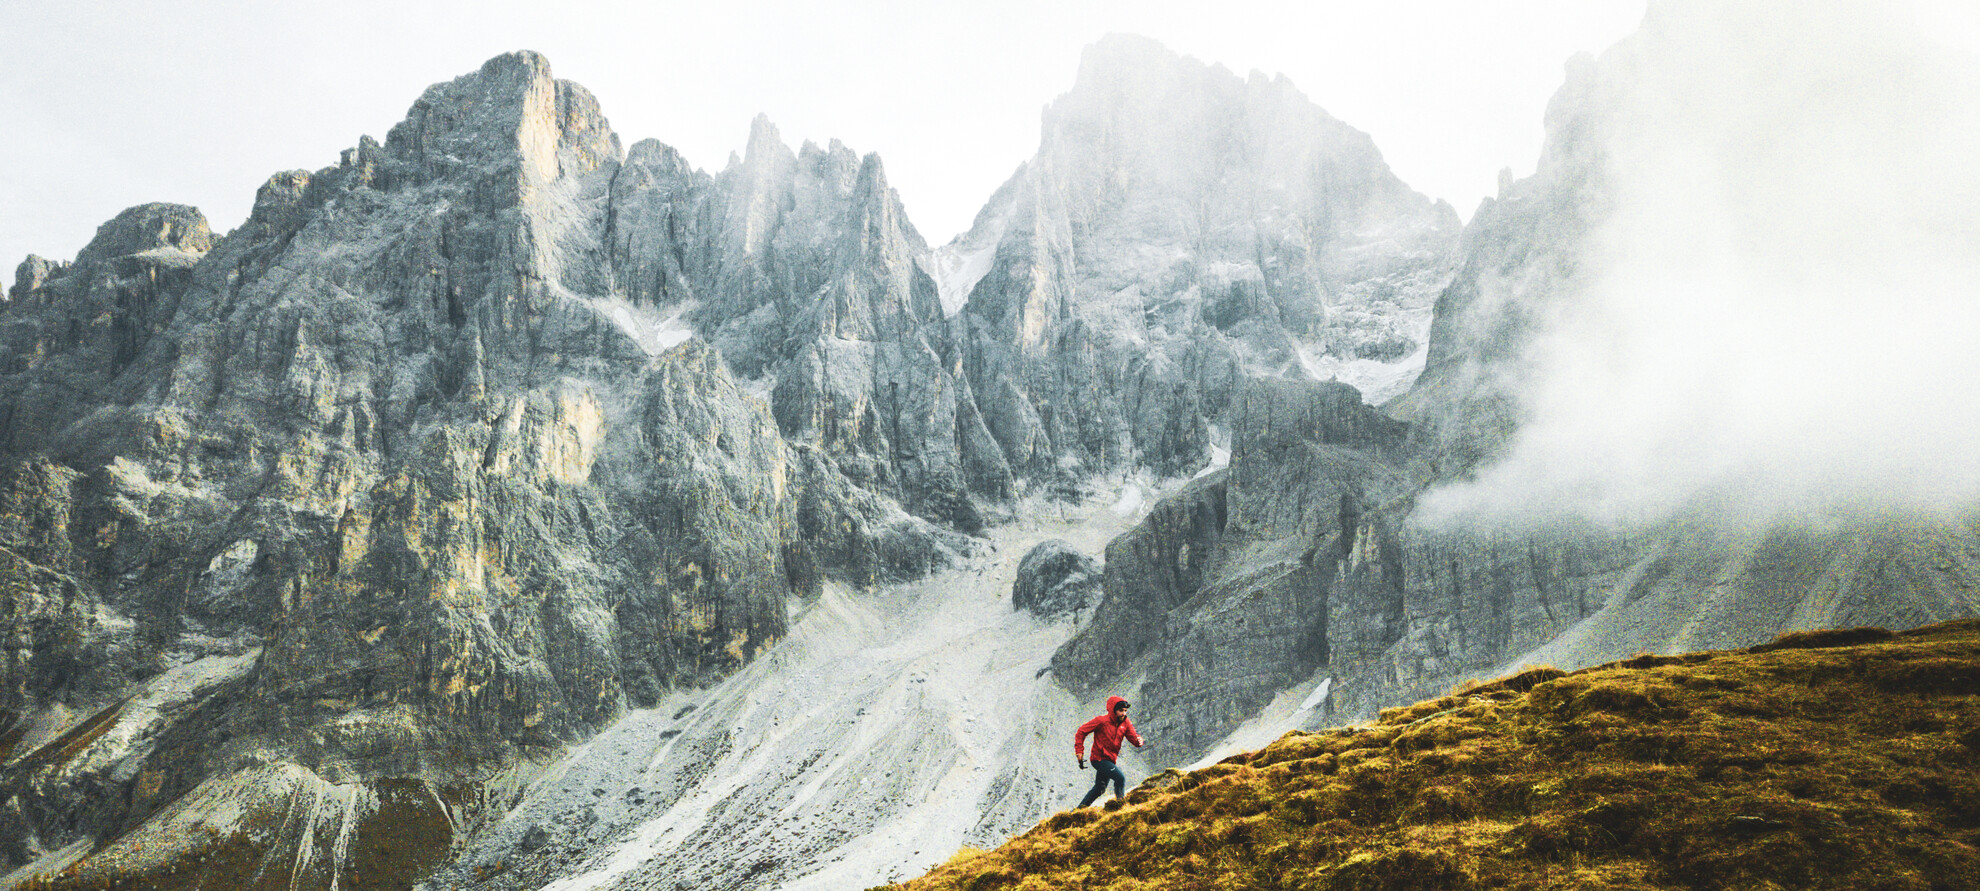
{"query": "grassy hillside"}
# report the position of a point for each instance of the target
(1835, 759)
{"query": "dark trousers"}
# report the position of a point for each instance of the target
(1105, 772)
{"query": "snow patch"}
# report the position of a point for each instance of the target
(656, 330)
(1378, 382)
(1130, 501)
(956, 267)
(1220, 451)
(1319, 696)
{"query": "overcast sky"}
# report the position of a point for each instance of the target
(110, 103)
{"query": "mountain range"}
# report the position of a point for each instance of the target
(502, 507)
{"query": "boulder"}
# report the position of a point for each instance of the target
(1055, 580)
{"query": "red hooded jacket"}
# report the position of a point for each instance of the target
(1107, 734)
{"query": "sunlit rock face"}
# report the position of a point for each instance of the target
(395, 484)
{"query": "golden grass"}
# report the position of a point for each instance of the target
(1835, 759)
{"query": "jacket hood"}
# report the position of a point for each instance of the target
(1114, 701)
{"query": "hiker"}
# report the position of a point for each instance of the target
(1108, 730)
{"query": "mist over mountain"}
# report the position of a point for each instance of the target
(502, 507)
(1773, 301)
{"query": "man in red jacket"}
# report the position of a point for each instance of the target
(1108, 730)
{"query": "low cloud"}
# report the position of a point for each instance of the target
(1784, 308)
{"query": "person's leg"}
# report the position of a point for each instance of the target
(1120, 779)
(1100, 777)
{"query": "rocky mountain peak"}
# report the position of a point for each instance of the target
(764, 140)
(511, 112)
(148, 227)
(1120, 60)
(281, 204)
(1192, 229)
(1143, 104)
(32, 273)
(1144, 120)
(835, 169)
(766, 169)
(657, 155)
(1131, 90)
(879, 206)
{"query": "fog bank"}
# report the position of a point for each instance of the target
(1782, 311)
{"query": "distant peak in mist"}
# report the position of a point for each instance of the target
(1778, 306)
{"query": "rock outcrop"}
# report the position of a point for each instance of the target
(1251, 578)
(1055, 580)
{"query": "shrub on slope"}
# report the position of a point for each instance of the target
(1838, 759)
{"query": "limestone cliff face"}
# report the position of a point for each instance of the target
(1180, 231)
(1251, 578)
(868, 369)
(800, 267)
(1524, 258)
(397, 484)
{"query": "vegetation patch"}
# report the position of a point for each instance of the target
(403, 833)
(1832, 759)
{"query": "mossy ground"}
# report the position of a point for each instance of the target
(1840, 759)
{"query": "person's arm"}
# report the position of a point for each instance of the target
(1079, 740)
(1132, 736)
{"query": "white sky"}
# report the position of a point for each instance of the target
(111, 103)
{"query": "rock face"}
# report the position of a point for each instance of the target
(1055, 580)
(1180, 231)
(1523, 261)
(397, 485)
(1251, 578)
(804, 276)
